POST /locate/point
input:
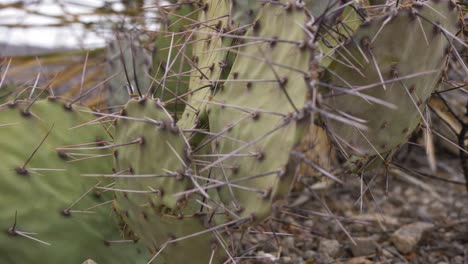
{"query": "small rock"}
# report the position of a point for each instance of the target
(286, 260)
(407, 237)
(309, 223)
(330, 248)
(310, 254)
(266, 256)
(457, 260)
(359, 260)
(310, 243)
(379, 218)
(298, 260)
(288, 242)
(364, 246)
(89, 261)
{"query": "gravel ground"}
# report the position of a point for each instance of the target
(402, 219)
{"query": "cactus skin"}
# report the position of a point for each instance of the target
(157, 218)
(175, 20)
(207, 57)
(169, 217)
(39, 198)
(272, 151)
(338, 26)
(244, 12)
(132, 63)
(396, 57)
(162, 150)
(7, 92)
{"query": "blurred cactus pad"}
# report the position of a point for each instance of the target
(179, 144)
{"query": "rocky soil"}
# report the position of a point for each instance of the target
(401, 219)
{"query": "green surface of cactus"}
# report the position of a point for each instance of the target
(155, 147)
(171, 69)
(399, 61)
(208, 57)
(50, 212)
(128, 65)
(257, 112)
(150, 174)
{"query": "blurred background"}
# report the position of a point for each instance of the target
(69, 46)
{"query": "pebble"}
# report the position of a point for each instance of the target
(266, 256)
(286, 260)
(309, 223)
(458, 260)
(310, 254)
(407, 237)
(359, 260)
(329, 247)
(288, 242)
(364, 246)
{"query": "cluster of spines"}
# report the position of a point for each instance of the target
(233, 154)
(243, 140)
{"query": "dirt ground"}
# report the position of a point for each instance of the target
(333, 226)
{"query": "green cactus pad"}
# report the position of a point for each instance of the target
(43, 219)
(130, 64)
(175, 23)
(407, 50)
(244, 12)
(152, 144)
(257, 112)
(336, 28)
(7, 92)
(152, 171)
(209, 58)
(173, 236)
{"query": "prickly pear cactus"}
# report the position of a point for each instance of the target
(172, 51)
(50, 211)
(400, 58)
(128, 68)
(151, 136)
(244, 12)
(257, 115)
(338, 24)
(6, 92)
(209, 59)
(153, 166)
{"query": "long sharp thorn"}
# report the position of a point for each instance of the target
(377, 68)
(37, 148)
(92, 89)
(67, 210)
(5, 72)
(122, 60)
(237, 221)
(135, 75)
(34, 85)
(275, 129)
(278, 80)
(83, 74)
(167, 68)
(315, 166)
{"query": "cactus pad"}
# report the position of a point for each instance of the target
(154, 164)
(50, 213)
(257, 112)
(402, 56)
